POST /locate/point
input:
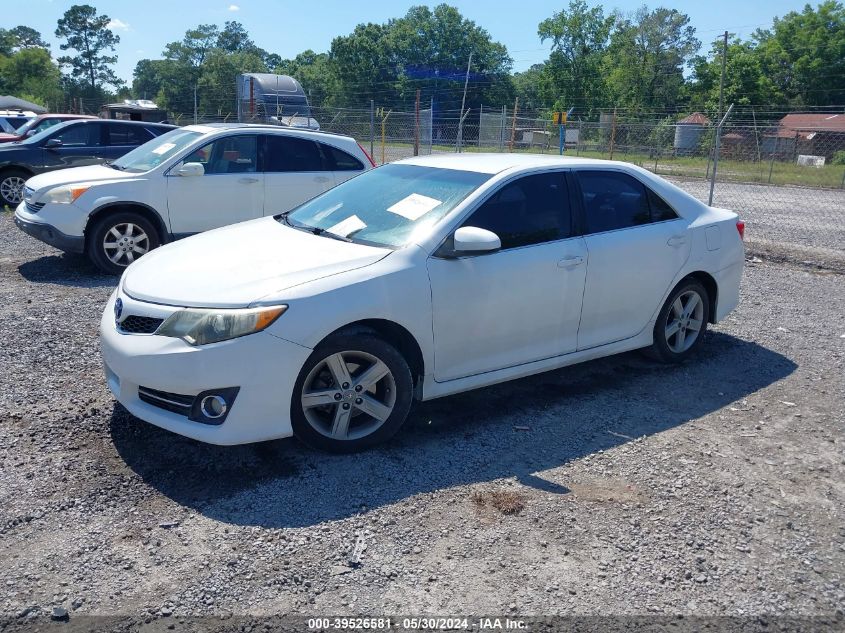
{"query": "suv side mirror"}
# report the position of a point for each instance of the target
(53, 142)
(189, 169)
(471, 239)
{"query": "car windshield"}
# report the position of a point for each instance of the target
(387, 206)
(152, 153)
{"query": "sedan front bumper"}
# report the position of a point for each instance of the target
(263, 367)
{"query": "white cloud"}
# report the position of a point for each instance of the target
(234, 7)
(117, 25)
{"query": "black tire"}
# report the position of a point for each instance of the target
(670, 349)
(11, 186)
(306, 426)
(102, 227)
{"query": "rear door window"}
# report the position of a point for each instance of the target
(292, 154)
(613, 200)
(120, 134)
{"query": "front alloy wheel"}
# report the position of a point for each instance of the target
(124, 242)
(354, 391)
(118, 239)
(11, 188)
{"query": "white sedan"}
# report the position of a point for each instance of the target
(416, 280)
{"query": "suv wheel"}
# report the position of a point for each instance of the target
(118, 239)
(11, 187)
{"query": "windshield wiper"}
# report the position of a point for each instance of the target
(108, 163)
(325, 232)
(314, 230)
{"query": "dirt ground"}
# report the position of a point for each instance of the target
(618, 487)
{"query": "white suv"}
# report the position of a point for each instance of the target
(189, 180)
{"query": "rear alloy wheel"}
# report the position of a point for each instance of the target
(354, 391)
(119, 239)
(11, 187)
(681, 324)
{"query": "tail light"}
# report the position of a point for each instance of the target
(740, 228)
(369, 158)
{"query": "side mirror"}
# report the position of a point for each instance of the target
(471, 239)
(189, 169)
(53, 142)
(33, 132)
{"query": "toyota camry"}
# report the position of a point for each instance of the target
(419, 279)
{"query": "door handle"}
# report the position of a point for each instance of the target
(570, 262)
(677, 240)
(247, 181)
(321, 179)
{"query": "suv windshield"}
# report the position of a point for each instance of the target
(386, 206)
(152, 153)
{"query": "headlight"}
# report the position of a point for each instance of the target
(65, 194)
(200, 327)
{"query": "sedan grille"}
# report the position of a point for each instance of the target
(173, 402)
(134, 324)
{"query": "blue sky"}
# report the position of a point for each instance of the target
(287, 28)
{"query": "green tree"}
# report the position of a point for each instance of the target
(645, 61)
(234, 38)
(427, 50)
(15, 39)
(579, 37)
(746, 82)
(88, 34)
(534, 87)
(804, 54)
(30, 73)
(316, 74)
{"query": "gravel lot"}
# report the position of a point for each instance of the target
(615, 487)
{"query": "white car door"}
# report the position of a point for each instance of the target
(294, 171)
(231, 189)
(636, 245)
(521, 303)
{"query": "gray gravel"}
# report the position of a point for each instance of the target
(615, 487)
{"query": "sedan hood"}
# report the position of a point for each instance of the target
(236, 265)
(73, 175)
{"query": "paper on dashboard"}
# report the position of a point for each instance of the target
(414, 206)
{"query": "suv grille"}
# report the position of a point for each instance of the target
(134, 324)
(173, 402)
(34, 207)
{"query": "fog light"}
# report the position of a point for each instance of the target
(213, 407)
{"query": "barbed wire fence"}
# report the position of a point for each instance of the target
(787, 181)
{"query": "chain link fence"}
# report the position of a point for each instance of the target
(785, 179)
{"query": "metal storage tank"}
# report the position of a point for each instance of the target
(688, 133)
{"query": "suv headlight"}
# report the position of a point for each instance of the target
(65, 194)
(201, 327)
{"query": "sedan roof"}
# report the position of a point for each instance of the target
(496, 163)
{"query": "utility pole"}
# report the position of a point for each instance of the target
(722, 78)
(417, 125)
(372, 125)
(463, 102)
(195, 103)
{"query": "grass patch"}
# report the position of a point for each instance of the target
(730, 170)
(505, 501)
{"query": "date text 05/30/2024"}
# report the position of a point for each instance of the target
(416, 624)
